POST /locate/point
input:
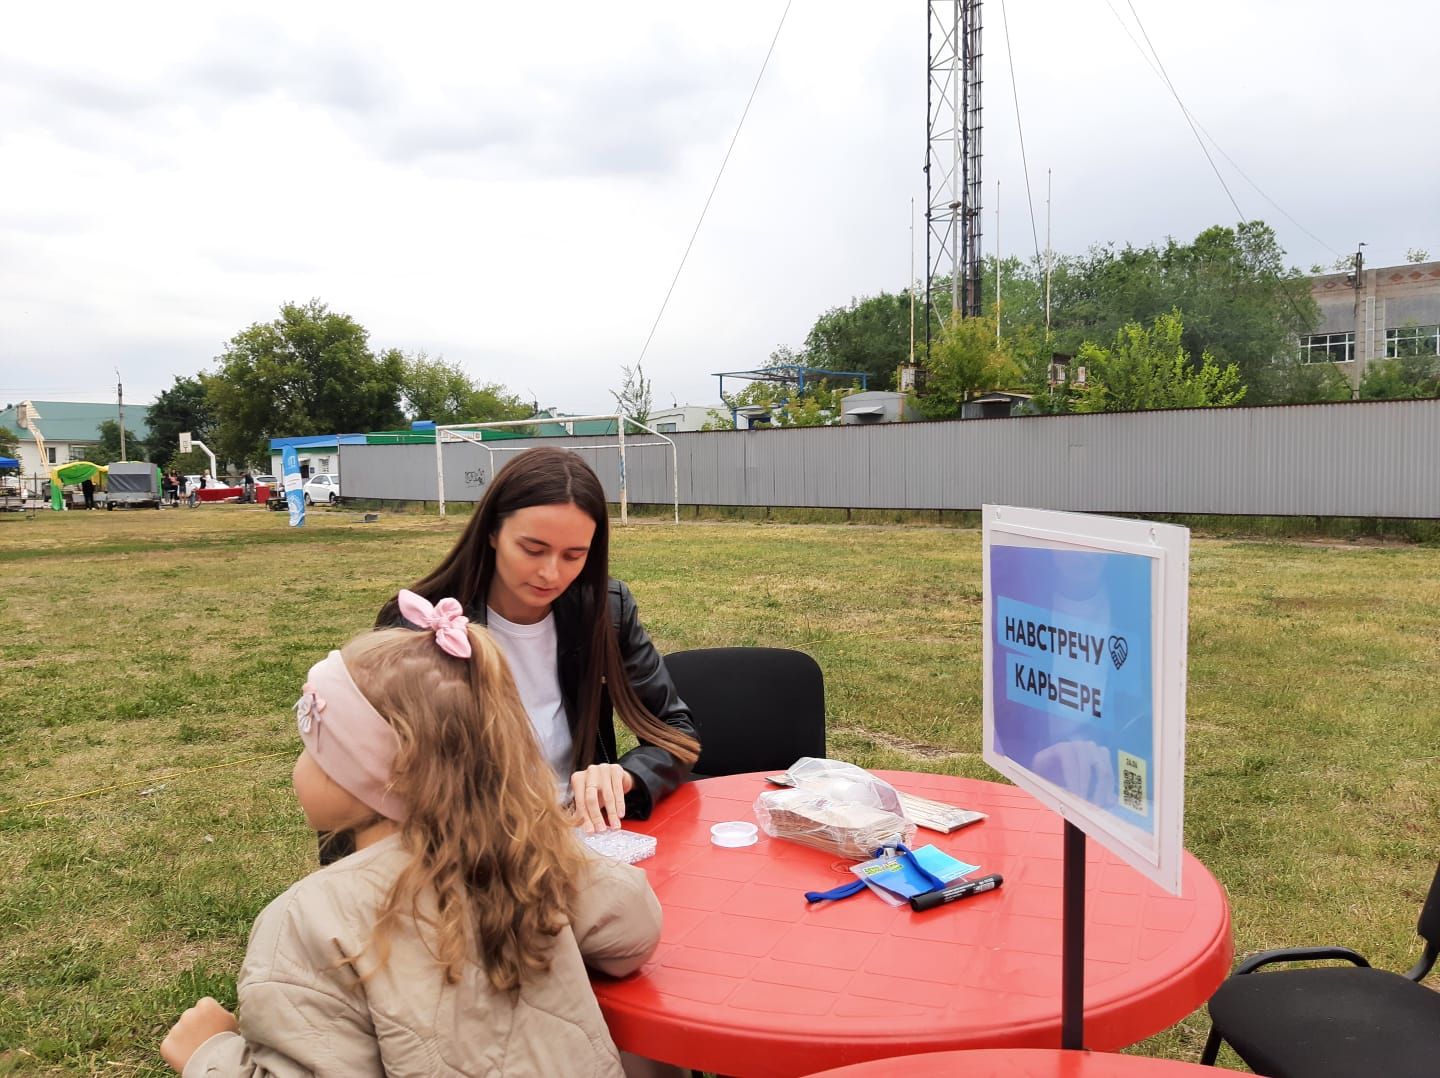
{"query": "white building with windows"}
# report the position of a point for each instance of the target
(684, 417)
(70, 429)
(1384, 313)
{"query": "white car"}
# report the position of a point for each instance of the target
(322, 489)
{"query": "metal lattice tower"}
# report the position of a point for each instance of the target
(952, 156)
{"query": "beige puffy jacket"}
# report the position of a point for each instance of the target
(304, 1011)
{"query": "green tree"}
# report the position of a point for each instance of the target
(1308, 383)
(871, 335)
(310, 371)
(966, 360)
(9, 443)
(633, 396)
(783, 405)
(1242, 305)
(185, 406)
(1402, 378)
(107, 449)
(1149, 368)
(440, 391)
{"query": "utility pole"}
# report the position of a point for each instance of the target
(997, 261)
(120, 405)
(1360, 350)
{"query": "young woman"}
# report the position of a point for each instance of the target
(455, 939)
(533, 566)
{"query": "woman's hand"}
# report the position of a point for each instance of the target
(196, 1026)
(599, 793)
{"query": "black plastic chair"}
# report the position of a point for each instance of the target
(755, 709)
(1332, 1020)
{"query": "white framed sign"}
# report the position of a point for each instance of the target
(1085, 636)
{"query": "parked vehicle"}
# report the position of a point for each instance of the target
(133, 483)
(322, 489)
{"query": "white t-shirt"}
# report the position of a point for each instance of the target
(531, 652)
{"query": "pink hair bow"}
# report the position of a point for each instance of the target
(446, 618)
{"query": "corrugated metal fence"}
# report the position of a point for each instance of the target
(1367, 459)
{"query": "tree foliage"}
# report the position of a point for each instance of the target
(633, 396)
(871, 335)
(783, 405)
(966, 360)
(310, 371)
(185, 406)
(1149, 368)
(1239, 302)
(1401, 378)
(441, 391)
(106, 450)
(9, 443)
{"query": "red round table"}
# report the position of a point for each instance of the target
(749, 980)
(1021, 1063)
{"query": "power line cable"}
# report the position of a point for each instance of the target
(1215, 142)
(1185, 112)
(1024, 160)
(713, 187)
(1299, 315)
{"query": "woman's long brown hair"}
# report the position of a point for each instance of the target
(549, 476)
(495, 864)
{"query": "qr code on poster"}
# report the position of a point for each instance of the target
(1134, 788)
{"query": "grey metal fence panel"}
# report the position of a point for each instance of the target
(1366, 459)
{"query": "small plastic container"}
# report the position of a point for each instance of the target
(734, 833)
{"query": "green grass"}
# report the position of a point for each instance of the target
(137, 646)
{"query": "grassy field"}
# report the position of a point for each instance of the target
(135, 647)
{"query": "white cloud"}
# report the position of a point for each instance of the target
(513, 185)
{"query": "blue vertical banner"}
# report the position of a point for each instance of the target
(290, 479)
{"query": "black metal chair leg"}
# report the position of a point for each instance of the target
(1212, 1048)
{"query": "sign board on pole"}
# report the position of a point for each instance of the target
(185, 445)
(1085, 644)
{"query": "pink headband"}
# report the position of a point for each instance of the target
(346, 736)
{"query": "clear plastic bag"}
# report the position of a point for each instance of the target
(835, 807)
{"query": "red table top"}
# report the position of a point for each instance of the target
(748, 979)
(1022, 1063)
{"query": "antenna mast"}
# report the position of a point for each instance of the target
(952, 156)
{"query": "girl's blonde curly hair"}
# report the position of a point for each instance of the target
(495, 863)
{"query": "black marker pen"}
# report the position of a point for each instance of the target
(930, 899)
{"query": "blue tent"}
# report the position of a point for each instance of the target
(9, 463)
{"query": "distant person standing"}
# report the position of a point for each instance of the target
(88, 486)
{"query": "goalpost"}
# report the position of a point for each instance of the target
(469, 433)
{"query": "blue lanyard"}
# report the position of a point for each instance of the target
(900, 850)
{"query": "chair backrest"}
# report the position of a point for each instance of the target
(1429, 930)
(1429, 926)
(755, 709)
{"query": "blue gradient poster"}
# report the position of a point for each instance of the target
(294, 492)
(1072, 673)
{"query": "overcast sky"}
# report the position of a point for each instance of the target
(511, 186)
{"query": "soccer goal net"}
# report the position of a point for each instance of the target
(628, 435)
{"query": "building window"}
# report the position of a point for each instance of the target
(665, 428)
(1327, 348)
(1411, 341)
(50, 452)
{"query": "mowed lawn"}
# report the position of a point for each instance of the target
(136, 646)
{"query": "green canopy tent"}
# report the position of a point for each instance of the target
(77, 471)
